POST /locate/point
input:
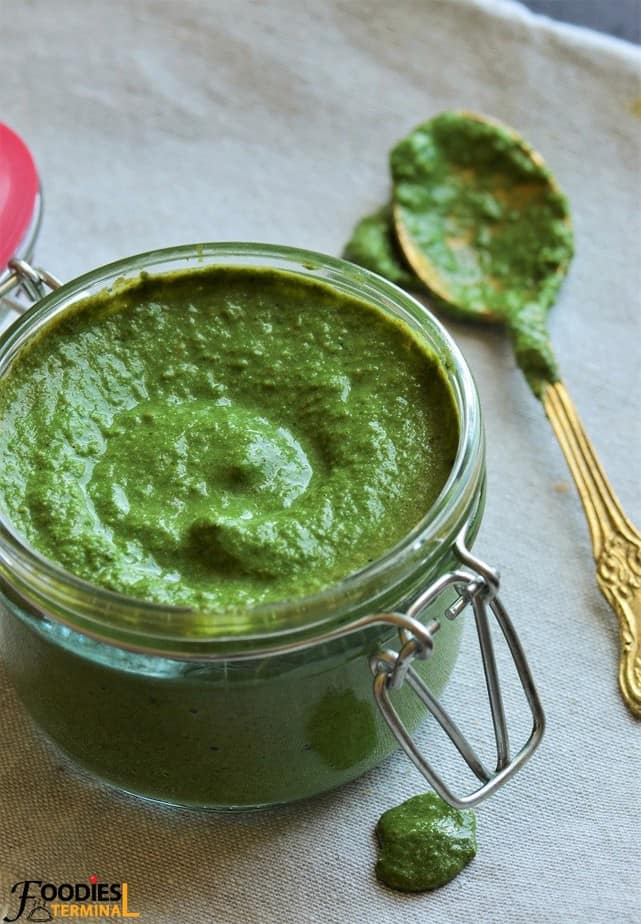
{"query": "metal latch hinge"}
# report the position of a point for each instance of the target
(477, 586)
(25, 278)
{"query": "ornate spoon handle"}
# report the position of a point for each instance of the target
(616, 544)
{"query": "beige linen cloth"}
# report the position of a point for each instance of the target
(156, 123)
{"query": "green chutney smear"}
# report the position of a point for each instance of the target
(373, 245)
(222, 437)
(424, 843)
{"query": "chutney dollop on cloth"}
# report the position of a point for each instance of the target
(424, 843)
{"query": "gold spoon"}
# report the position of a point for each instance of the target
(616, 544)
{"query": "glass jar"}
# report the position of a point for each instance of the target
(280, 705)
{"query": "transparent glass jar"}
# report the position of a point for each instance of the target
(144, 697)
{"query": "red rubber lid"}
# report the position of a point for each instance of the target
(18, 192)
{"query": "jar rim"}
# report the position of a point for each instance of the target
(143, 625)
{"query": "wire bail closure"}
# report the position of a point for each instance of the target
(26, 278)
(477, 586)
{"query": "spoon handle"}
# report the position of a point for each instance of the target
(616, 544)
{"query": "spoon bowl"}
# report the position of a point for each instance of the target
(479, 217)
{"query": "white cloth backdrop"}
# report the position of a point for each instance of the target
(156, 123)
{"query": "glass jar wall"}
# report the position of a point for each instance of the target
(146, 698)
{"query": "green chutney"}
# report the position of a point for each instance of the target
(373, 245)
(223, 437)
(479, 217)
(424, 843)
(484, 209)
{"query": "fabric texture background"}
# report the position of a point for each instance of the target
(157, 123)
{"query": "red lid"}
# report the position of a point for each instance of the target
(18, 192)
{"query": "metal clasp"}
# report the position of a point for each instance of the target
(477, 585)
(26, 278)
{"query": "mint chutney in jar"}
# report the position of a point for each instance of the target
(216, 463)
